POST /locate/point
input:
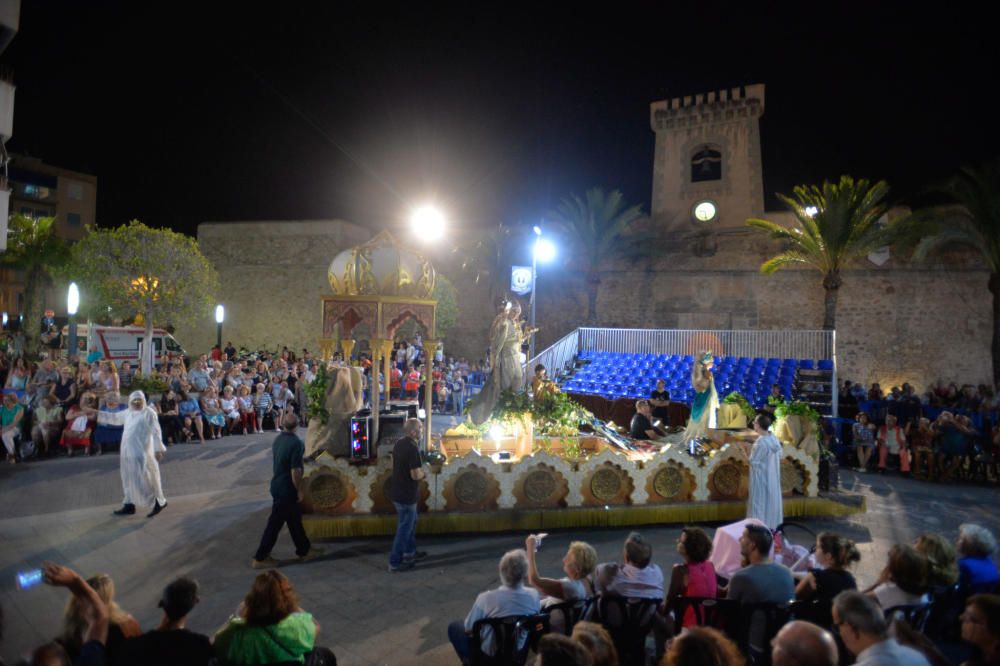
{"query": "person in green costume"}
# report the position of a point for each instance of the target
(706, 400)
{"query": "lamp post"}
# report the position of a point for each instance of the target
(220, 316)
(72, 305)
(545, 251)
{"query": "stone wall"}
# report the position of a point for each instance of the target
(896, 322)
(272, 276)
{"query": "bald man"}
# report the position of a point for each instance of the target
(804, 644)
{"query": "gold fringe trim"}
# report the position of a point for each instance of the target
(335, 527)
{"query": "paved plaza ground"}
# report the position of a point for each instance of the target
(60, 510)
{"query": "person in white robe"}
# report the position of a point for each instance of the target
(142, 449)
(764, 502)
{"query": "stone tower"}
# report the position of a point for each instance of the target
(707, 168)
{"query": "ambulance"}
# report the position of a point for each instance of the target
(122, 343)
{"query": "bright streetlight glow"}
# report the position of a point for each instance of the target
(73, 299)
(220, 314)
(428, 223)
(811, 211)
(545, 250)
(537, 229)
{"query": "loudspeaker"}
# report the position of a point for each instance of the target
(360, 445)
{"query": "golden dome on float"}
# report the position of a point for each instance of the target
(381, 267)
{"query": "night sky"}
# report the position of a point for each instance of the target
(188, 114)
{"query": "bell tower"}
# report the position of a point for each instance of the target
(706, 166)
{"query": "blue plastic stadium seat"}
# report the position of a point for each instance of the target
(825, 364)
(806, 364)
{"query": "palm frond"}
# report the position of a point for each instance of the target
(784, 259)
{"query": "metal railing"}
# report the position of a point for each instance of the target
(817, 345)
(555, 358)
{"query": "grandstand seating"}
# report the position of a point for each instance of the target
(619, 375)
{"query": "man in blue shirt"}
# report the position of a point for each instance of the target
(286, 490)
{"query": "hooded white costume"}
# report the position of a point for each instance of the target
(765, 503)
(141, 441)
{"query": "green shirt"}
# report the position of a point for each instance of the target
(238, 644)
(287, 450)
(7, 415)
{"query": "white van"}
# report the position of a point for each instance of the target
(121, 343)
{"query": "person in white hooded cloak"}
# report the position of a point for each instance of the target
(765, 503)
(141, 450)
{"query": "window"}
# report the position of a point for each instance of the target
(706, 164)
(74, 190)
(73, 219)
(172, 345)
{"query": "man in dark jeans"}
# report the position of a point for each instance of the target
(286, 489)
(407, 472)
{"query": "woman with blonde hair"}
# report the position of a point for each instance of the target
(942, 561)
(76, 620)
(269, 626)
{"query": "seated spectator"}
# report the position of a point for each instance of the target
(48, 425)
(892, 442)
(80, 422)
(281, 397)
(702, 646)
(953, 445)
(76, 620)
(976, 570)
(597, 642)
(833, 554)
(696, 576)
(211, 409)
(190, 411)
(981, 627)
(264, 405)
(269, 626)
(875, 392)
(11, 415)
(231, 410)
(559, 650)
(642, 424)
(170, 643)
(512, 598)
(64, 389)
(637, 578)
(578, 563)
(921, 440)
(110, 422)
(862, 626)
(248, 415)
(198, 376)
(942, 562)
(169, 416)
(760, 580)
(903, 581)
(801, 643)
(864, 440)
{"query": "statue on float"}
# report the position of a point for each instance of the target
(344, 398)
(706, 400)
(507, 333)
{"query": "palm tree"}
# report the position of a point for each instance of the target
(838, 224)
(34, 249)
(975, 224)
(597, 227)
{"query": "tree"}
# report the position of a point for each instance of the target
(838, 223)
(975, 224)
(34, 249)
(597, 228)
(137, 270)
(447, 306)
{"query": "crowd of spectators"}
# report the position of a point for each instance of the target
(947, 433)
(933, 603)
(69, 407)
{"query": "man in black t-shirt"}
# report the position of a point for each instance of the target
(660, 401)
(407, 472)
(170, 643)
(286, 490)
(642, 427)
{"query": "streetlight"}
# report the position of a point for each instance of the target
(545, 252)
(428, 223)
(220, 316)
(72, 305)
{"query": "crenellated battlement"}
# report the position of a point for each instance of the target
(714, 106)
